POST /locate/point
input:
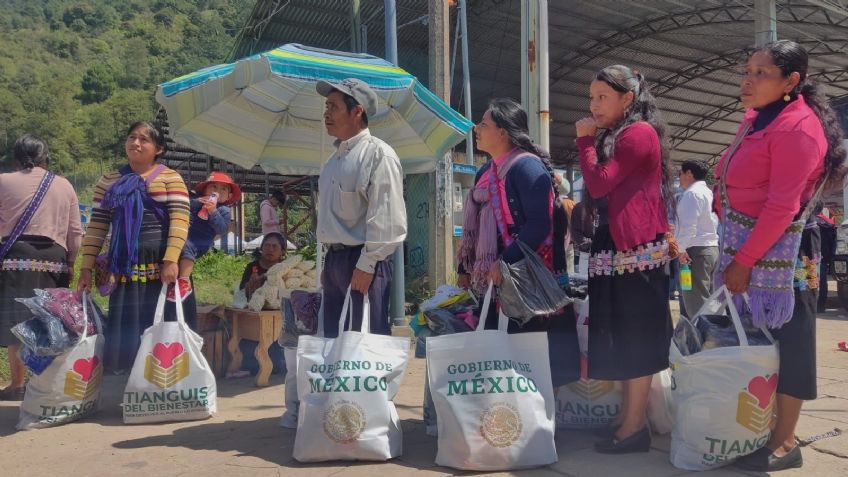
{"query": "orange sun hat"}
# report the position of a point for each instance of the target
(221, 178)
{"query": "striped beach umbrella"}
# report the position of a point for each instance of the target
(264, 110)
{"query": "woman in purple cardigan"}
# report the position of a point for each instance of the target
(626, 173)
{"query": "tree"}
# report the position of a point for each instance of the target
(98, 82)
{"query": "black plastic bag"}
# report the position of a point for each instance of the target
(687, 337)
(529, 289)
(717, 331)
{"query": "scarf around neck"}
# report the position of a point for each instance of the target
(127, 200)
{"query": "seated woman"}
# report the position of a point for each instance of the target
(271, 252)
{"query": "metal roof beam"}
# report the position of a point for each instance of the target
(724, 111)
(708, 66)
(725, 13)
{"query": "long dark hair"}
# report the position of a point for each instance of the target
(643, 108)
(791, 57)
(31, 151)
(511, 117)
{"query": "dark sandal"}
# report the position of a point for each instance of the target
(12, 394)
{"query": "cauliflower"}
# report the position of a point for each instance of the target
(273, 281)
(306, 265)
(294, 282)
(311, 273)
(284, 266)
(257, 300)
(294, 273)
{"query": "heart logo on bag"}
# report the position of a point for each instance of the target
(763, 389)
(83, 380)
(167, 364)
(85, 367)
(167, 353)
(755, 408)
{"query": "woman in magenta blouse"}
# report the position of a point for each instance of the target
(793, 144)
(626, 172)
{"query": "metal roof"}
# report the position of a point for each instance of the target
(688, 50)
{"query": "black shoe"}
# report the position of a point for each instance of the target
(12, 394)
(606, 432)
(764, 460)
(640, 441)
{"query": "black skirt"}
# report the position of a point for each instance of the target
(563, 347)
(629, 317)
(132, 304)
(797, 338)
(32, 262)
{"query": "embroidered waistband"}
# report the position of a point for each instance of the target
(644, 257)
(141, 273)
(30, 265)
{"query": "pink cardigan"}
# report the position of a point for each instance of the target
(772, 173)
(58, 217)
(631, 180)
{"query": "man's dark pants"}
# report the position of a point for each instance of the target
(338, 270)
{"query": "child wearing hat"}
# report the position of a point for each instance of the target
(210, 217)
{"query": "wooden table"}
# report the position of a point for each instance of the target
(261, 326)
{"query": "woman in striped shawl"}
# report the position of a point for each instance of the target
(147, 208)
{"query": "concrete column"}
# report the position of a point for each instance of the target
(440, 259)
(534, 69)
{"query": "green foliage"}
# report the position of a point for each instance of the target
(215, 275)
(78, 72)
(5, 375)
(98, 82)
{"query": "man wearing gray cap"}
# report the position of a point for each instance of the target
(361, 211)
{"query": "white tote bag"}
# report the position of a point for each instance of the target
(586, 403)
(170, 378)
(724, 397)
(661, 403)
(69, 388)
(346, 386)
(494, 397)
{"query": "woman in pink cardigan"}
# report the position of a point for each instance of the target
(626, 172)
(38, 253)
(790, 145)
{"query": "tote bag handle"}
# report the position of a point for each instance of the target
(503, 320)
(159, 316)
(87, 315)
(347, 312)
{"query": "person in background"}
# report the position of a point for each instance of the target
(361, 210)
(582, 226)
(146, 206)
(269, 211)
(37, 250)
(792, 147)
(627, 177)
(696, 233)
(563, 190)
(827, 228)
(210, 217)
(271, 252)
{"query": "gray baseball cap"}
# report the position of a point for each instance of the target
(355, 88)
